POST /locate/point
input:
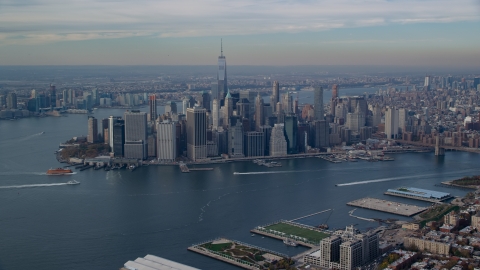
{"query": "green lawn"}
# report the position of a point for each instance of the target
(217, 247)
(311, 235)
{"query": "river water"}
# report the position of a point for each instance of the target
(115, 216)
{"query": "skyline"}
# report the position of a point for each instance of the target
(376, 32)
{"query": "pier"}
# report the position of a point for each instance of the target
(387, 207)
(333, 160)
(419, 194)
(311, 215)
(184, 168)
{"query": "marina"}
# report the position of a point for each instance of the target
(419, 194)
(401, 209)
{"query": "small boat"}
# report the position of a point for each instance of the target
(236, 173)
(59, 171)
(43, 132)
(73, 182)
(290, 242)
(253, 235)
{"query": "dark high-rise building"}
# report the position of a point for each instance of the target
(254, 144)
(476, 82)
(118, 138)
(196, 133)
(11, 100)
(275, 94)
(152, 103)
(222, 74)
(266, 131)
(136, 139)
(291, 129)
(53, 96)
(206, 100)
(318, 103)
(92, 130)
(322, 134)
(243, 108)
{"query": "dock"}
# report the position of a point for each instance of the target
(396, 208)
(419, 194)
(184, 168)
(333, 160)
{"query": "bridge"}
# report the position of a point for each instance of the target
(445, 147)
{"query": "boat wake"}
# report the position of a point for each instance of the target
(22, 173)
(396, 178)
(272, 172)
(36, 185)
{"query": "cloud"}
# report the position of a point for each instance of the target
(41, 21)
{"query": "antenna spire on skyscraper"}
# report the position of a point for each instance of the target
(221, 47)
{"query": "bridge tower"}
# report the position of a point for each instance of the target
(439, 150)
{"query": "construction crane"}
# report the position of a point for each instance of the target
(325, 224)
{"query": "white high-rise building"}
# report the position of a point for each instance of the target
(391, 123)
(166, 141)
(278, 143)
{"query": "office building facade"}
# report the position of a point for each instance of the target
(196, 133)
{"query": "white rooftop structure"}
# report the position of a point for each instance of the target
(151, 262)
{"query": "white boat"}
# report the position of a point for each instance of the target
(290, 242)
(73, 182)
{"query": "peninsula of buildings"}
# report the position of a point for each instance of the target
(217, 118)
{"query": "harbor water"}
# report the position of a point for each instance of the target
(115, 216)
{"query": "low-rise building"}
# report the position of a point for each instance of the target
(427, 245)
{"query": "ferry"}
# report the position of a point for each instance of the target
(59, 171)
(73, 182)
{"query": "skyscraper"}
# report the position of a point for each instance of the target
(334, 91)
(275, 94)
(171, 107)
(152, 103)
(254, 144)
(216, 114)
(118, 139)
(53, 96)
(11, 100)
(259, 117)
(227, 109)
(278, 144)
(322, 133)
(92, 136)
(166, 141)
(391, 123)
(136, 144)
(235, 140)
(206, 100)
(196, 133)
(222, 73)
(290, 127)
(426, 85)
(112, 120)
(318, 102)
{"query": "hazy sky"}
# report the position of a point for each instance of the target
(254, 32)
